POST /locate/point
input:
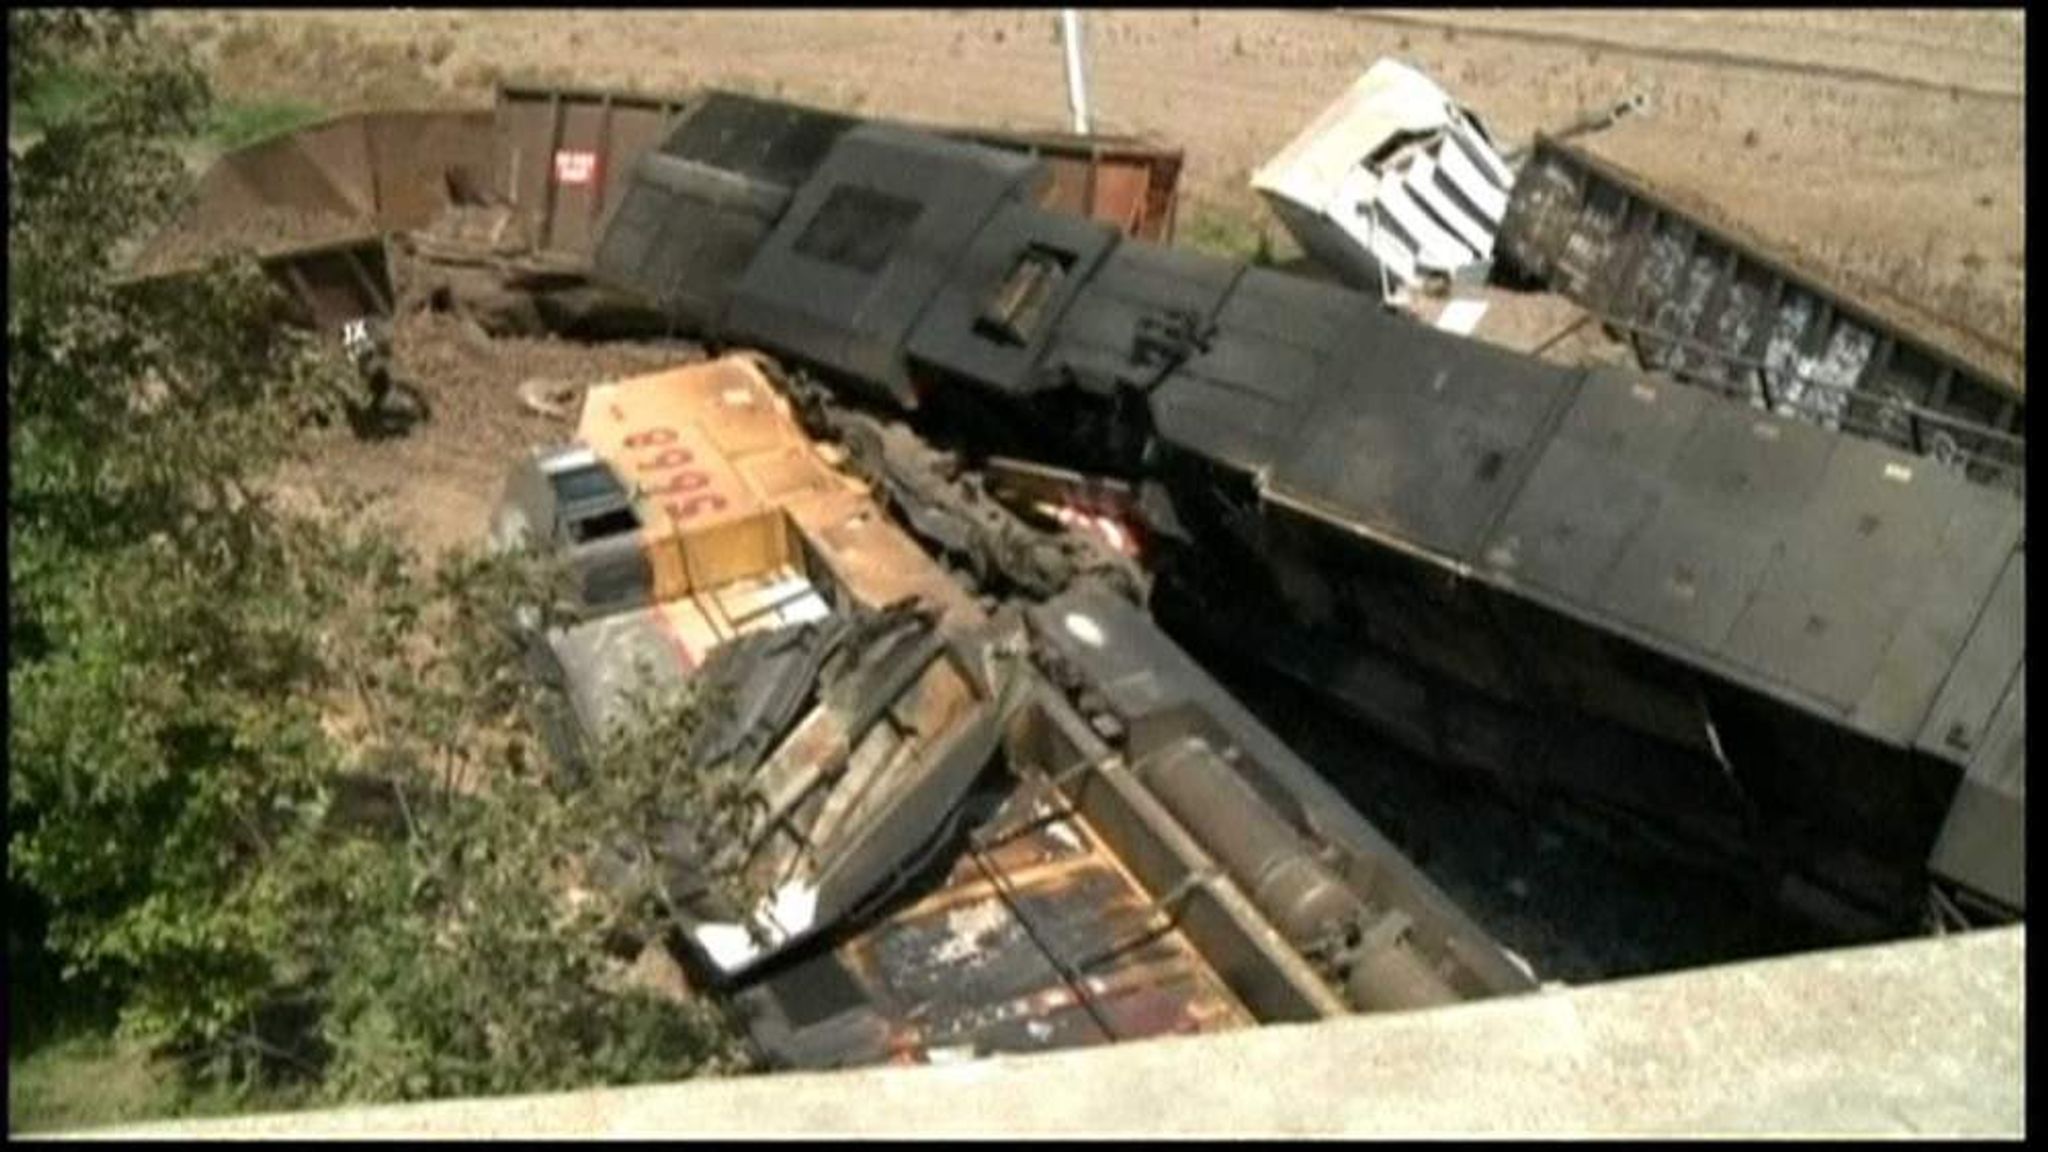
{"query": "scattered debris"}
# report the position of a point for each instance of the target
(554, 399)
(1601, 119)
(1461, 315)
(1395, 185)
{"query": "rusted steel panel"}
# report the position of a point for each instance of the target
(283, 172)
(977, 963)
(314, 206)
(1128, 183)
(389, 170)
(327, 283)
(418, 160)
(1711, 307)
(335, 283)
(563, 154)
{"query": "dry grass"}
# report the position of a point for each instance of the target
(253, 60)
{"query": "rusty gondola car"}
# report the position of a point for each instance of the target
(525, 185)
(980, 830)
(1790, 650)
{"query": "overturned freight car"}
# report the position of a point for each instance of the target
(514, 197)
(977, 830)
(1743, 637)
(1716, 309)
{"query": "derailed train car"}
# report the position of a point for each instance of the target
(976, 830)
(1750, 639)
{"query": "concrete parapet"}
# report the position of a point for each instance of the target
(1922, 1037)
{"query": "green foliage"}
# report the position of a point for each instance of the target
(238, 125)
(474, 961)
(644, 806)
(59, 73)
(60, 94)
(163, 736)
(44, 44)
(1221, 232)
(273, 791)
(91, 1081)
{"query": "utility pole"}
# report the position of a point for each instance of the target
(1077, 80)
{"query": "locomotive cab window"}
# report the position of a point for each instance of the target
(1016, 311)
(615, 522)
(858, 228)
(586, 484)
(591, 504)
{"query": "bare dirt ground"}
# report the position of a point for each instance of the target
(440, 479)
(1884, 145)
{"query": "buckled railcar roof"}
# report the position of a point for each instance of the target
(699, 206)
(865, 245)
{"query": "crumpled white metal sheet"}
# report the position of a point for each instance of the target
(1392, 184)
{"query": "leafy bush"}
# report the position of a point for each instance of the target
(474, 960)
(164, 735)
(273, 792)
